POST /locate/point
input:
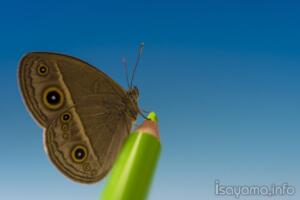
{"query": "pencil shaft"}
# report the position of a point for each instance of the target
(132, 173)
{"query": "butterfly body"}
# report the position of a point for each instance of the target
(85, 114)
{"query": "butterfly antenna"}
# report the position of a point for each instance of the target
(140, 51)
(124, 62)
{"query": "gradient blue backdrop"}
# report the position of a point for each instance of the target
(223, 77)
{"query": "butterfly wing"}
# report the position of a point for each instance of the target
(68, 77)
(57, 88)
(98, 128)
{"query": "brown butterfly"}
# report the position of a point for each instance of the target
(85, 114)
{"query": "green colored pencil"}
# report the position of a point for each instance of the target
(133, 170)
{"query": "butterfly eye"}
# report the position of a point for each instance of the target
(53, 98)
(66, 117)
(79, 154)
(42, 70)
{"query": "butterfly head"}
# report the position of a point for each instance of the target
(133, 93)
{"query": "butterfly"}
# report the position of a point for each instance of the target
(85, 114)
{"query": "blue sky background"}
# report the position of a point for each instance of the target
(223, 77)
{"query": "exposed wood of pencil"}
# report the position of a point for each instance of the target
(149, 127)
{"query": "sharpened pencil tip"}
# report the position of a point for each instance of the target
(149, 126)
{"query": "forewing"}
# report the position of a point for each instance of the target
(72, 78)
